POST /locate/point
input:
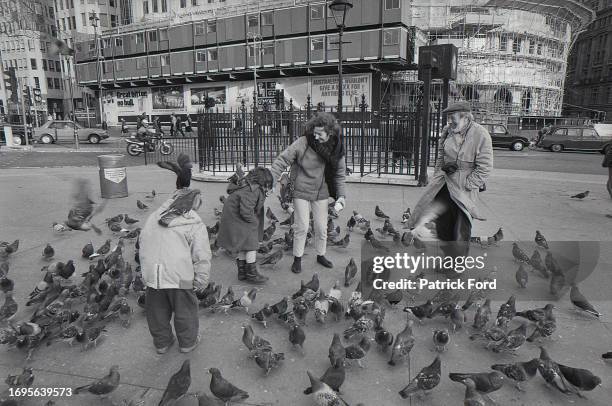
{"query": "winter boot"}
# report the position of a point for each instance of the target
(252, 275)
(296, 267)
(241, 263)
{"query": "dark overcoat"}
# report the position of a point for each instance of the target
(242, 219)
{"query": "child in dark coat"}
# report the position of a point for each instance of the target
(242, 221)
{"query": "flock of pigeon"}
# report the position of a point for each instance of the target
(64, 310)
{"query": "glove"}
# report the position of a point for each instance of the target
(339, 206)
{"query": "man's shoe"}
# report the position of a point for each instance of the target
(253, 276)
(241, 264)
(165, 349)
(296, 267)
(609, 186)
(193, 347)
(324, 261)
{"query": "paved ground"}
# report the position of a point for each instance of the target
(521, 201)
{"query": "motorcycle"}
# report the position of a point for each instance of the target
(135, 147)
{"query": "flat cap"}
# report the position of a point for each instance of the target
(458, 107)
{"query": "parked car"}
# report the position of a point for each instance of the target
(581, 138)
(503, 138)
(18, 134)
(63, 130)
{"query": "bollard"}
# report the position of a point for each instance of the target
(113, 176)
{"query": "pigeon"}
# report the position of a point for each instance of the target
(116, 219)
(4, 268)
(334, 377)
(273, 258)
(178, 385)
(152, 195)
(538, 314)
(521, 276)
(607, 355)
(402, 345)
(129, 220)
(223, 389)
(87, 250)
(580, 196)
(313, 284)
(485, 382)
(9, 308)
(267, 359)
(281, 307)
(421, 311)
(519, 372)
(457, 318)
(297, 336)
(265, 248)
(441, 338)
(473, 397)
(551, 263)
(581, 302)
(378, 245)
(103, 250)
(513, 340)
(212, 231)
(358, 351)
(350, 272)
(582, 379)
(254, 342)
(337, 352)
(351, 223)
(406, 215)
(60, 228)
(23, 380)
(360, 326)
(506, 312)
(271, 216)
(269, 232)
(323, 394)
(379, 213)
(103, 386)
(245, 300)
(238, 175)
(48, 252)
(536, 263)
(499, 235)
(141, 205)
(342, 243)
(288, 221)
(518, 254)
(551, 372)
(12, 247)
(382, 337)
(426, 380)
(540, 240)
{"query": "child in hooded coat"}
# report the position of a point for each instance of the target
(242, 221)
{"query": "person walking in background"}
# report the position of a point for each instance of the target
(179, 126)
(158, 127)
(173, 121)
(465, 160)
(140, 119)
(189, 124)
(607, 163)
(242, 222)
(124, 127)
(175, 256)
(318, 172)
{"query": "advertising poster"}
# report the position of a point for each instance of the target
(325, 89)
(199, 95)
(168, 98)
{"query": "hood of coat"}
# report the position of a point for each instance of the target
(234, 187)
(179, 209)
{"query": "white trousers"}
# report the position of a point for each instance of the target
(301, 221)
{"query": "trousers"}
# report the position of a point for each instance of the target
(453, 226)
(161, 305)
(301, 223)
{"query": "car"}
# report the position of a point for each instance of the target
(503, 138)
(578, 138)
(18, 134)
(63, 130)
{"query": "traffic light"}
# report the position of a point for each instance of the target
(10, 84)
(442, 59)
(27, 96)
(37, 95)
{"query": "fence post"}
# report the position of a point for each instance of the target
(201, 141)
(290, 121)
(363, 106)
(255, 131)
(242, 118)
(308, 107)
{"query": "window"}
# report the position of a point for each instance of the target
(152, 36)
(316, 12)
(103, 20)
(499, 129)
(154, 61)
(589, 132)
(51, 66)
(267, 18)
(44, 64)
(141, 63)
(200, 56)
(595, 95)
(36, 82)
(119, 42)
(332, 42)
(392, 4)
(118, 66)
(140, 38)
(316, 44)
(503, 43)
(391, 37)
(211, 26)
(56, 83)
(268, 49)
(58, 68)
(560, 132)
(155, 6)
(163, 34)
(539, 48)
(573, 132)
(145, 7)
(194, 2)
(113, 20)
(64, 24)
(165, 60)
(50, 83)
(33, 63)
(253, 21)
(516, 45)
(213, 54)
(183, 3)
(531, 46)
(200, 29)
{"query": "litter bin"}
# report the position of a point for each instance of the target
(113, 176)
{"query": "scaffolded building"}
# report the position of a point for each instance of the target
(512, 53)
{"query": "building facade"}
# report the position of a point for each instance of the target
(512, 55)
(588, 88)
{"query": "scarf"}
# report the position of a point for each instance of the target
(331, 152)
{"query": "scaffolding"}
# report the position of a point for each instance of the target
(512, 58)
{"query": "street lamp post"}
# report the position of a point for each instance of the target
(339, 8)
(255, 37)
(94, 19)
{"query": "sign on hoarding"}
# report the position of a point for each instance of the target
(325, 89)
(168, 98)
(199, 95)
